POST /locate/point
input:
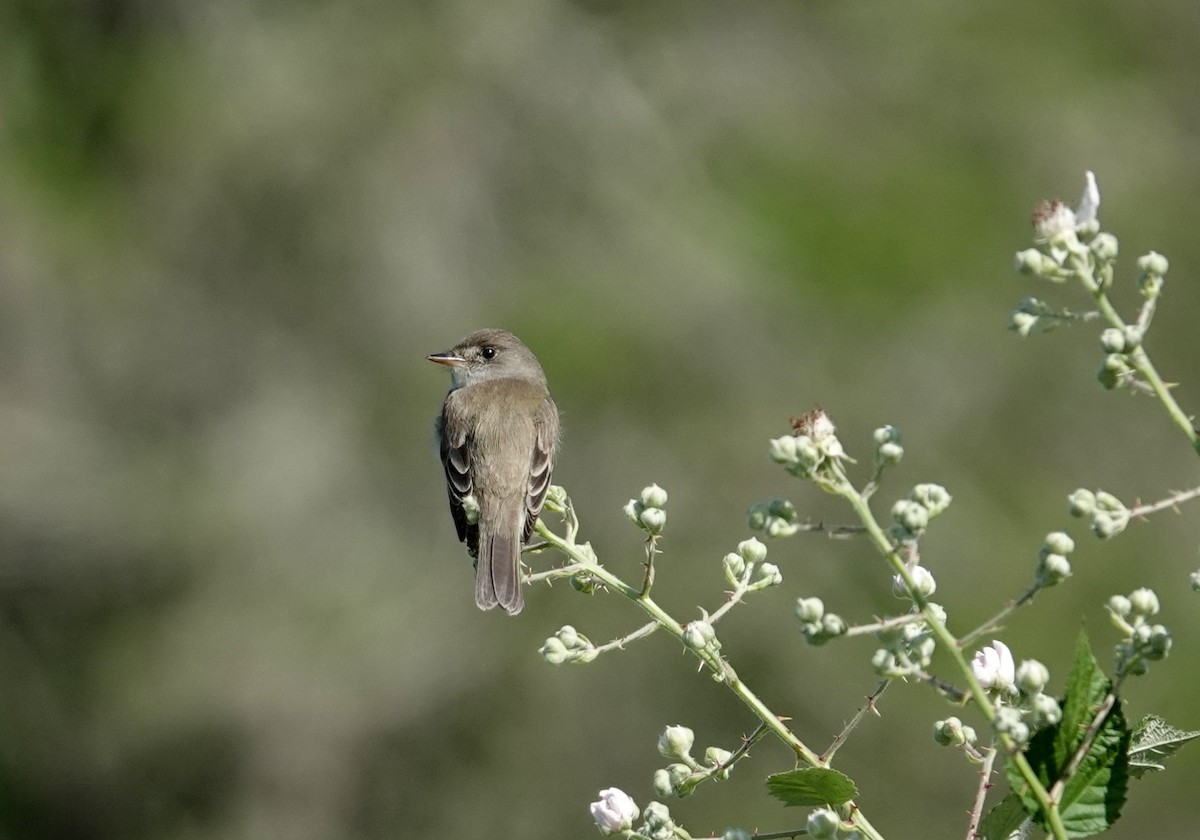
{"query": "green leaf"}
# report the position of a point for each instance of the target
(1003, 819)
(812, 786)
(1155, 740)
(1094, 793)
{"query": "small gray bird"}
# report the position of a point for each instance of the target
(497, 432)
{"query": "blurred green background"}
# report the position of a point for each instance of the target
(231, 601)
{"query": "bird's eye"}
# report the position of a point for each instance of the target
(488, 352)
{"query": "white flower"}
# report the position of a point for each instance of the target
(1089, 202)
(615, 811)
(1055, 224)
(994, 668)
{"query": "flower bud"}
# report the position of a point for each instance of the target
(1150, 285)
(583, 582)
(932, 497)
(922, 580)
(736, 834)
(777, 528)
(1032, 261)
(808, 453)
(1120, 605)
(654, 496)
(554, 651)
(1022, 323)
(676, 742)
(1112, 340)
(1082, 502)
(680, 776)
(832, 625)
(1104, 246)
(823, 824)
(768, 575)
(1106, 525)
(810, 610)
(735, 568)
(1008, 722)
(717, 757)
(1052, 568)
(698, 635)
(662, 783)
(751, 550)
(889, 453)
(1144, 602)
(1032, 676)
(911, 516)
(1046, 711)
(948, 732)
(1159, 644)
(1113, 371)
(1133, 337)
(886, 434)
(615, 811)
(758, 516)
(658, 820)
(653, 520)
(1059, 543)
(783, 450)
(1153, 263)
(1194, 581)
(633, 509)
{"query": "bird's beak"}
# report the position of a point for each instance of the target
(447, 358)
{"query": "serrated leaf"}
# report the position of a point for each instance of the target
(812, 786)
(1094, 794)
(1002, 820)
(1154, 741)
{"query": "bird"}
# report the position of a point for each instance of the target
(497, 433)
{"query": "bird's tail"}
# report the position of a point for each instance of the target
(498, 572)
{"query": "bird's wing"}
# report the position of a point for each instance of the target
(456, 459)
(542, 465)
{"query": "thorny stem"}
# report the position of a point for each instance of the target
(1171, 501)
(869, 706)
(985, 784)
(999, 618)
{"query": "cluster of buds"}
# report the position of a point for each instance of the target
(1144, 642)
(813, 449)
(1053, 565)
(1024, 707)
(952, 732)
(818, 626)
(1107, 513)
(747, 569)
(910, 517)
(775, 518)
(1063, 234)
(685, 772)
(888, 450)
(647, 512)
(907, 649)
(568, 645)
